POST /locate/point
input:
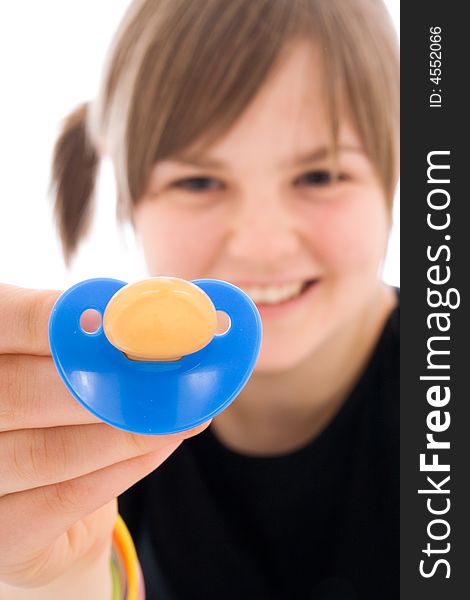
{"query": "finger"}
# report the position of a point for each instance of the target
(32, 395)
(38, 457)
(33, 520)
(24, 319)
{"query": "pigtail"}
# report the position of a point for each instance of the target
(73, 175)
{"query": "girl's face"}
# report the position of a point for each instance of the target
(261, 210)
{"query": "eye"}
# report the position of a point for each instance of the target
(321, 177)
(197, 184)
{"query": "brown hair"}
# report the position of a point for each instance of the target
(181, 72)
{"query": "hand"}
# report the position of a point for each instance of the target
(61, 469)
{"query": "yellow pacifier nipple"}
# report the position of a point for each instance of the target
(160, 319)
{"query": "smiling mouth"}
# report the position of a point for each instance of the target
(278, 294)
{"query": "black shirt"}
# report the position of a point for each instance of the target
(320, 523)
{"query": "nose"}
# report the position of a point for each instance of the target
(265, 230)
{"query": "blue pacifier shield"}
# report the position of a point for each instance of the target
(153, 397)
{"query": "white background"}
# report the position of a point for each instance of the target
(51, 55)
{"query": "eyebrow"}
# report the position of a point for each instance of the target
(313, 155)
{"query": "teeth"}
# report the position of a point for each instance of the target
(273, 294)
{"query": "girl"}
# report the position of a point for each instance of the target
(254, 142)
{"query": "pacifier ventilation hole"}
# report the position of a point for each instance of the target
(90, 320)
(223, 322)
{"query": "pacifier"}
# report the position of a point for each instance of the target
(156, 364)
